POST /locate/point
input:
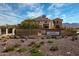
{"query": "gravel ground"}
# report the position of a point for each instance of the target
(66, 47)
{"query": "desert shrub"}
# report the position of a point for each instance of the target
(50, 41)
(74, 38)
(49, 37)
(3, 44)
(22, 40)
(3, 36)
(22, 50)
(8, 37)
(0, 38)
(42, 38)
(54, 48)
(36, 52)
(9, 49)
(16, 37)
(11, 37)
(37, 45)
(4, 40)
(17, 45)
(32, 43)
(41, 42)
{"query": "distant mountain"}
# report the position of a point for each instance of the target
(71, 24)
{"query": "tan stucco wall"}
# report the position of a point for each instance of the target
(51, 25)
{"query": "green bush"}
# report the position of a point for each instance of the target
(50, 41)
(32, 43)
(22, 50)
(36, 52)
(48, 37)
(41, 42)
(36, 46)
(17, 45)
(9, 49)
(54, 48)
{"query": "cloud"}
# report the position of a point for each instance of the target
(8, 16)
(29, 9)
(63, 16)
(15, 13)
(37, 10)
(56, 9)
(59, 5)
(35, 14)
(30, 6)
(56, 5)
(49, 16)
(4, 7)
(70, 18)
(8, 19)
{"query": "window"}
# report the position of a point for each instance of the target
(45, 25)
(57, 21)
(57, 26)
(3, 30)
(45, 21)
(10, 30)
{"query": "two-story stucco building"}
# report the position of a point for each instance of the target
(47, 23)
(44, 22)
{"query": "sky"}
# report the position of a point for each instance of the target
(14, 13)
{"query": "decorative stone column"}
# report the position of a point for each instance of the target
(51, 25)
(13, 31)
(0, 31)
(6, 31)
